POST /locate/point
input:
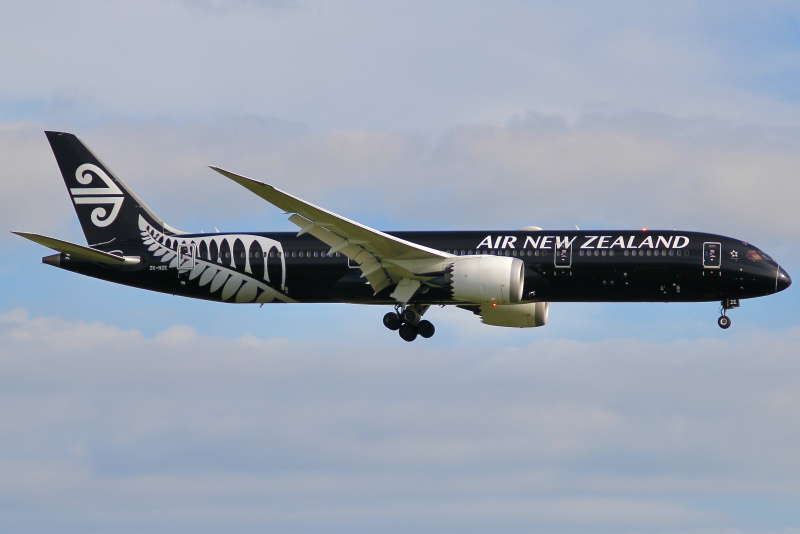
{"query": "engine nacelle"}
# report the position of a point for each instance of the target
(516, 315)
(486, 279)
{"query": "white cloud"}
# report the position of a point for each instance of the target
(386, 65)
(626, 171)
(556, 434)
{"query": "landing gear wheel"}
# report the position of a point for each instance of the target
(727, 304)
(410, 316)
(426, 329)
(392, 321)
(408, 332)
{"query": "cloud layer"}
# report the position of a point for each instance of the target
(102, 424)
(127, 411)
(407, 65)
(623, 171)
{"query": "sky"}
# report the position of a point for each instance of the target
(128, 411)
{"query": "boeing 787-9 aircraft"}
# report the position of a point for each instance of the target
(506, 277)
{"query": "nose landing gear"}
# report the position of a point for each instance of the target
(409, 322)
(724, 321)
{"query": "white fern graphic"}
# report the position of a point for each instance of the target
(236, 286)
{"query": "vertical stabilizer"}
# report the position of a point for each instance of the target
(107, 210)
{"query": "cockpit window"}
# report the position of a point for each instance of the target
(753, 255)
(757, 255)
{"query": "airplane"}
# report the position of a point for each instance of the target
(508, 278)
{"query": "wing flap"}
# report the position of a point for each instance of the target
(367, 262)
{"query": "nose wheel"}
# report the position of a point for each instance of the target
(408, 322)
(724, 321)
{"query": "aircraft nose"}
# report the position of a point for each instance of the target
(783, 280)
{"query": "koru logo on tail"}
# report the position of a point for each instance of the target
(108, 194)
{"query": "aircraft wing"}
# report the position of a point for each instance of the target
(79, 251)
(384, 259)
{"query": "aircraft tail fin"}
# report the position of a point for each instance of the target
(107, 209)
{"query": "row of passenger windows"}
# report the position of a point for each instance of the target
(272, 254)
(641, 252)
(523, 253)
(257, 254)
(498, 252)
(308, 254)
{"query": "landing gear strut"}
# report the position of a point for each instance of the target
(728, 304)
(409, 322)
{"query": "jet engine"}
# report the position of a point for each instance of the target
(486, 279)
(516, 315)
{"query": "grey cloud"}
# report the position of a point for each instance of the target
(392, 65)
(629, 170)
(27, 190)
(105, 424)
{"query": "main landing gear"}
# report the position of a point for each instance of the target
(728, 304)
(409, 322)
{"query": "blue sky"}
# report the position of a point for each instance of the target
(130, 411)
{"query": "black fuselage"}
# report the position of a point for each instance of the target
(560, 266)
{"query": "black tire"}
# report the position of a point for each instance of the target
(391, 321)
(410, 316)
(408, 332)
(724, 322)
(426, 329)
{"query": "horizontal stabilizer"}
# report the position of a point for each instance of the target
(79, 251)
